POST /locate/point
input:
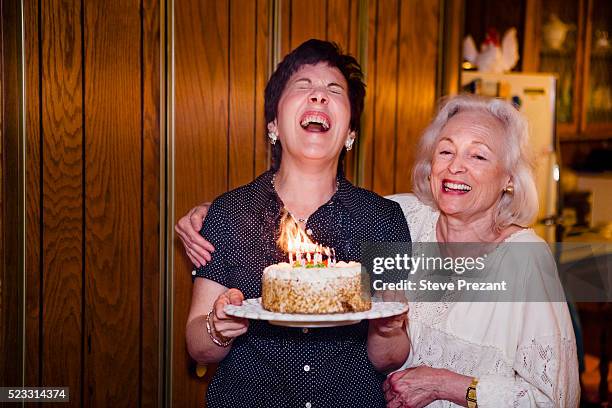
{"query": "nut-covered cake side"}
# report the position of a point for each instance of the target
(337, 289)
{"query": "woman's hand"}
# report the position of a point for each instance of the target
(197, 248)
(420, 386)
(388, 326)
(227, 327)
(388, 342)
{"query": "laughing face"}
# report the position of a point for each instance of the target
(467, 174)
(313, 114)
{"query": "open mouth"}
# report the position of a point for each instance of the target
(455, 187)
(314, 121)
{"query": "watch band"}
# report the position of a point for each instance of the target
(470, 394)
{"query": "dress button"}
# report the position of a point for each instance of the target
(308, 405)
(306, 368)
(305, 330)
(193, 272)
(309, 231)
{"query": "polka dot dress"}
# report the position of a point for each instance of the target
(272, 366)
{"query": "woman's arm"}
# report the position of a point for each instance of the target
(198, 249)
(420, 386)
(208, 295)
(546, 376)
(388, 343)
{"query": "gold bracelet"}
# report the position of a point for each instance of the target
(220, 343)
(470, 395)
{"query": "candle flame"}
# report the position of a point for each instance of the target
(292, 239)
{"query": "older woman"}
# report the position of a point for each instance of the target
(473, 183)
(313, 103)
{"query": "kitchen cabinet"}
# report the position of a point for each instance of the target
(572, 39)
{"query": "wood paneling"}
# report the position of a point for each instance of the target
(385, 108)
(11, 233)
(62, 196)
(401, 71)
(308, 20)
(342, 21)
(451, 46)
(113, 200)
(201, 149)
(93, 78)
(365, 174)
(94, 142)
(263, 67)
(33, 198)
(242, 77)
(150, 341)
(416, 83)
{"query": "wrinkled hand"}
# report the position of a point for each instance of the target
(197, 248)
(413, 387)
(225, 326)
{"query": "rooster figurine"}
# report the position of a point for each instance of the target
(493, 56)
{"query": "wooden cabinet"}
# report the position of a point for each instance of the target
(597, 85)
(572, 39)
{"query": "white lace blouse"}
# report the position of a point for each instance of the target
(523, 353)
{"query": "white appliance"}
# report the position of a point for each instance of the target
(535, 96)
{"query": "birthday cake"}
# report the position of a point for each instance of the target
(315, 288)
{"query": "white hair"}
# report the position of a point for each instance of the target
(519, 208)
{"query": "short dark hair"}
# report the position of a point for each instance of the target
(312, 52)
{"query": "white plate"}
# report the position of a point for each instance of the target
(252, 309)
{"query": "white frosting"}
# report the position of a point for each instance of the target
(285, 271)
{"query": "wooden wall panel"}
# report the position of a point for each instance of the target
(342, 21)
(62, 196)
(33, 197)
(263, 70)
(284, 28)
(94, 151)
(201, 150)
(242, 76)
(385, 107)
(365, 172)
(11, 233)
(308, 20)
(337, 19)
(416, 83)
(151, 345)
(401, 67)
(113, 202)
(93, 84)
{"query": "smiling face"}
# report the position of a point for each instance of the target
(313, 114)
(467, 172)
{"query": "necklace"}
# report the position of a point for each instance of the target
(298, 219)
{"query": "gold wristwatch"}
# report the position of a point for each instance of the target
(470, 395)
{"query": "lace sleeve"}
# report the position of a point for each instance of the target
(546, 375)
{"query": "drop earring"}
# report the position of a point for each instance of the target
(349, 141)
(273, 137)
